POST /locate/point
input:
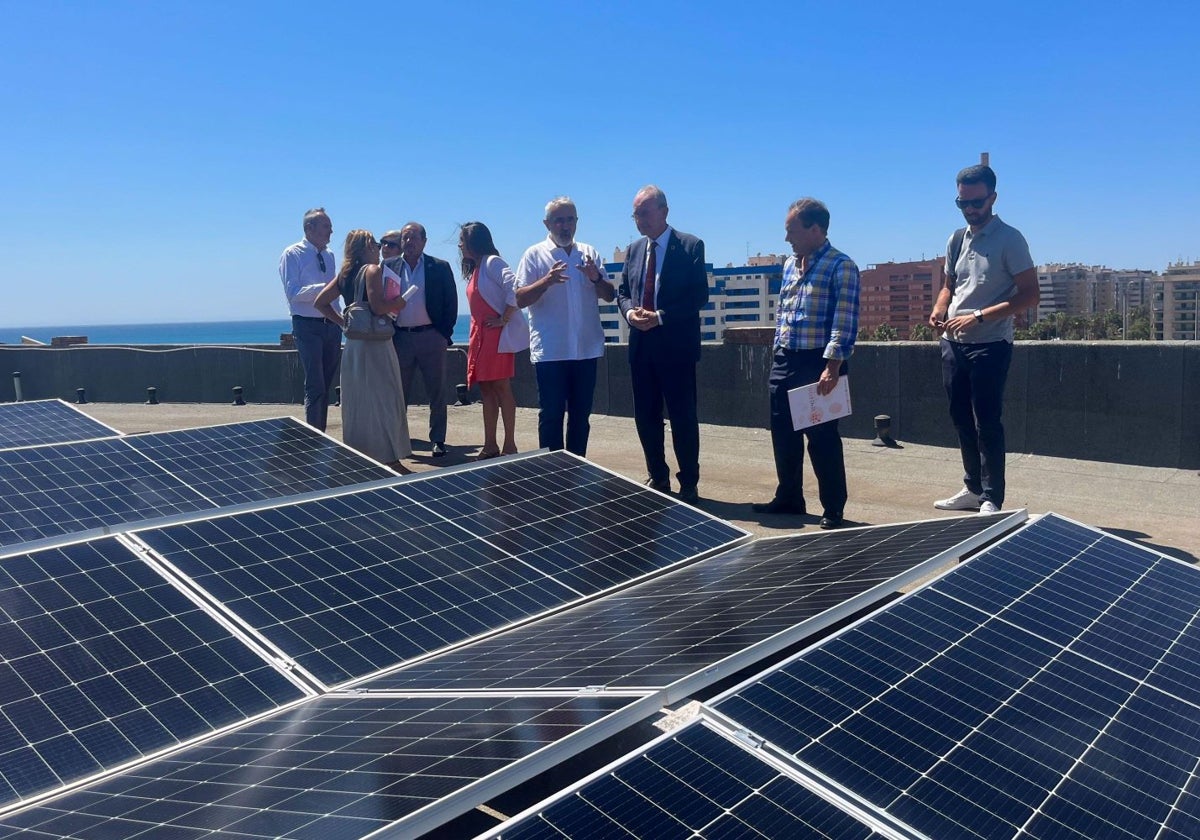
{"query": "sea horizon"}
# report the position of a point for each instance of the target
(262, 331)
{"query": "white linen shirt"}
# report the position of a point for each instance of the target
(303, 280)
(564, 323)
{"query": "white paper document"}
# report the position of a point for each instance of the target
(810, 408)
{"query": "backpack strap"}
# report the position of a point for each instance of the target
(956, 243)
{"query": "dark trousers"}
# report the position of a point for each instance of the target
(425, 350)
(974, 377)
(791, 369)
(319, 343)
(658, 378)
(565, 387)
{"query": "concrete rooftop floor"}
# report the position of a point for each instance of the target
(1156, 507)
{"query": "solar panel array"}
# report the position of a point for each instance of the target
(69, 488)
(103, 661)
(47, 421)
(685, 622)
(1045, 688)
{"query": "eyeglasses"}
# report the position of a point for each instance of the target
(387, 243)
(977, 203)
(563, 220)
(321, 260)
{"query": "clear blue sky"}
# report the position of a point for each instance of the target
(158, 156)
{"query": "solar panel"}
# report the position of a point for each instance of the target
(588, 528)
(694, 783)
(47, 421)
(355, 583)
(258, 460)
(1046, 688)
(710, 612)
(48, 491)
(70, 488)
(103, 661)
(334, 767)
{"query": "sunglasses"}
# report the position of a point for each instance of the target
(387, 243)
(321, 260)
(977, 203)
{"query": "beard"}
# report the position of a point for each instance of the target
(562, 240)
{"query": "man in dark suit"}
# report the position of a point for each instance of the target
(664, 285)
(425, 328)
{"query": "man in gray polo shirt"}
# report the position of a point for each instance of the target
(990, 277)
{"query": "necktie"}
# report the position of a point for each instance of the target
(651, 270)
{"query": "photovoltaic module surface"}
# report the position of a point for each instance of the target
(1046, 688)
(332, 767)
(692, 784)
(359, 582)
(659, 631)
(50, 491)
(103, 661)
(47, 421)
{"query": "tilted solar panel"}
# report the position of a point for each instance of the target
(694, 783)
(103, 661)
(257, 461)
(667, 628)
(332, 767)
(1048, 687)
(49, 491)
(360, 582)
(47, 421)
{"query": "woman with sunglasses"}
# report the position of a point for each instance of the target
(374, 420)
(498, 332)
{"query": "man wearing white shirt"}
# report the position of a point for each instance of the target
(561, 283)
(425, 327)
(305, 268)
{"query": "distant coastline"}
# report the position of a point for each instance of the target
(204, 332)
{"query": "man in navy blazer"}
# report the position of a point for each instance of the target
(425, 328)
(664, 285)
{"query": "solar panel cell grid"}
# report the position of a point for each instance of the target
(331, 767)
(46, 421)
(1023, 690)
(667, 628)
(101, 660)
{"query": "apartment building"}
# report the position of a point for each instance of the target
(1175, 300)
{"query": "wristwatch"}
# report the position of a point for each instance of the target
(978, 313)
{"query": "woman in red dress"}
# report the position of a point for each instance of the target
(493, 305)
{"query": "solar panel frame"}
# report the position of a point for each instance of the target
(1075, 734)
(58, 422)
(105, 660)
(294, 754)
(693, 590)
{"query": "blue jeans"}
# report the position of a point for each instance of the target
(319, 343)
(974, 376)
(565, 387)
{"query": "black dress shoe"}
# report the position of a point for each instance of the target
(831, 521)
(439, 450)
(689, 494)
(777, 506)
(661, 486)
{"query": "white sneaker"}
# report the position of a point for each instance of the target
(964, 499)
(988, 507)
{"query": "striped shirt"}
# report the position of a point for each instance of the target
(819, 307)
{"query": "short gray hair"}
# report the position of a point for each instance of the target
(312, 215)
(660, 197)
(561, 201)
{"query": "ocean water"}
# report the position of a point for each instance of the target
(204, 332)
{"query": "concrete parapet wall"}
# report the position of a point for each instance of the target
(1123, 402)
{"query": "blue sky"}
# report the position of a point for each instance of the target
(158, 156)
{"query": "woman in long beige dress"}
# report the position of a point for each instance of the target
(374, 419)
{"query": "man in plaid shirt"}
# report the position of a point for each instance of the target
(814, 336)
